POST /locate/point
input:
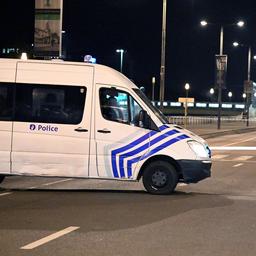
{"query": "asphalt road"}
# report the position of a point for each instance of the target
(89, 217)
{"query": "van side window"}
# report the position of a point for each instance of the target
(6, 102)
(114, 105)
(119, 106)
(50, 104)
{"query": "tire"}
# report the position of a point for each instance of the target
(1, 178)
(160, 178)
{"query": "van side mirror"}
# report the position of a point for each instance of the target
(144, 119)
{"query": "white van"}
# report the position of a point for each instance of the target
(66, 119)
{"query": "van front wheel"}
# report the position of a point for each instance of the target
(160, 178)
(1, 178)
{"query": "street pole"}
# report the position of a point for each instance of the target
(121, 60)
(220, 85)
(162, 68)
(121, 51)
(248, 97)
(153, 88)
(186, 110)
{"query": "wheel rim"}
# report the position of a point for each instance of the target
(159, 178)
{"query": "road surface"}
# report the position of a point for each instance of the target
(49, 216)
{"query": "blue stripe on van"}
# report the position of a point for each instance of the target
(142, 148)
(129, 146)
(152, 152)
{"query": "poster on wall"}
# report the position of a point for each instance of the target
(48, 28)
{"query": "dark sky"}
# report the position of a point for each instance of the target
(99, 27)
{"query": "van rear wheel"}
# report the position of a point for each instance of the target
(1, 178)
(160, 178)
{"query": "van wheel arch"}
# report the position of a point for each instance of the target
(160, 158)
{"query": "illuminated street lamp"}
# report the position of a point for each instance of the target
(153, 88)
(24, 56)
(203, 23)
(211, 91)
(240, 24)
(230, 94)
(121, 51)
(187, 87)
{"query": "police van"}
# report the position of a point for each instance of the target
(82, 120)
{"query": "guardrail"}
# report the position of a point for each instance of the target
(201, 121)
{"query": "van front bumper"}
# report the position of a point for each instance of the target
(194, 170)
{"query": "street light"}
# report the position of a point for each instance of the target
(163, 44)
(121, 51)
(240, 23)
(205, 23)
(24, 56)
(187, 87)
(230, 94)
(211, 91)
(153, 88)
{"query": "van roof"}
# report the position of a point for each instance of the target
(103, 74)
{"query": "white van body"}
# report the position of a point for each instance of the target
(56, 121)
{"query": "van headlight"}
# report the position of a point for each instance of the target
(199, 149)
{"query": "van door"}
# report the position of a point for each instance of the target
(6, 110)
(119, 137)
(51, 133)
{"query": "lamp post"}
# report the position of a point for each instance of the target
(121, 51)
(211, 93)
(247, 91)
(187, 87)
(153, 88)
(162, 68)
(204, 23)
(230, 94)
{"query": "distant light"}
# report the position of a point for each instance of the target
(187, 86)
(204, 23)
(153, 80)
(89, 59)
(175, 104)
(244, 95)
(224, 105)
(213, 105)
(24, 56)
(201, 105)
(63, 31)
(240, 106)
(254, 57)
(254, 94)
(235, 44)
(211, 91)
(120, 50)
(230, 94)
(240, 23)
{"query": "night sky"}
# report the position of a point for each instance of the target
(99, 27)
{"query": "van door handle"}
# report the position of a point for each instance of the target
(80, 129)
(104, 131)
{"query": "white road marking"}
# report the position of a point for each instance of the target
(234, 148)
(238, 142)
(243, 158)
(182, 185)
(49, 238)
(56, 182)
(219, 156)
(6, 194)
(238, 165)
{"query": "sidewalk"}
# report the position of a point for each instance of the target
(210, 130)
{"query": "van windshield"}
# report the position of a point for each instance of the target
(156, 111)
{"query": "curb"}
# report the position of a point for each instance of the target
(229, 132)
